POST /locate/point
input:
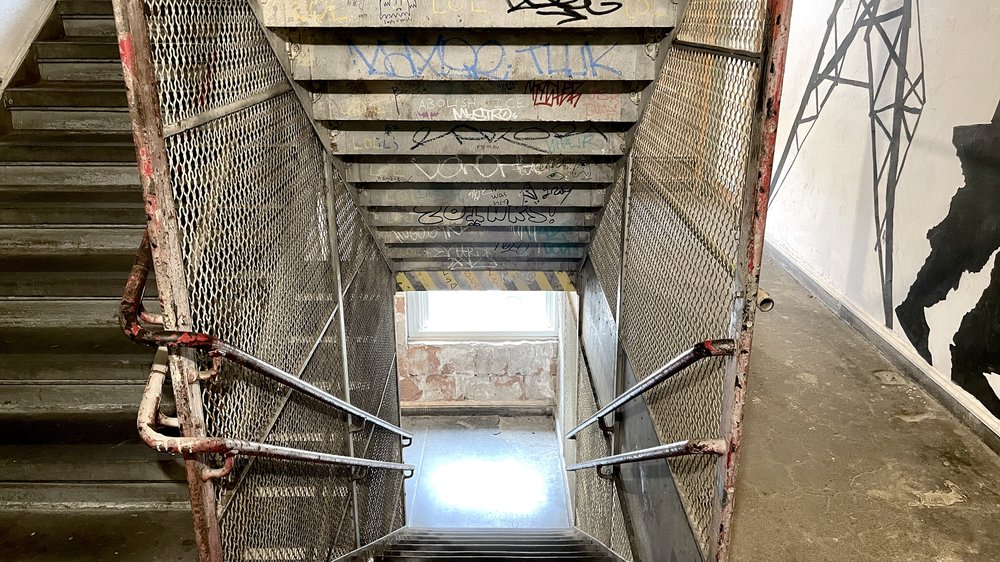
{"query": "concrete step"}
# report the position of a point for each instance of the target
(85, 7)
(80, 69)
(61, 214)
(67, 94)
(462, 55)
(457, 195)
(545, 100)
(62, 326)
(67, 426)
(66, 177)
(564, 139)
(78, 48)
(90, 495)
(99, 534)
(62, 119)
(477, 169)
(471, 14)
(69, 249)
(484, 264)
(481, 216)
(65, 398)
(483, 235)
(74, 284)
(89, 25)
(76, 147)
(497, 251)
(87, 463)
(130, 368)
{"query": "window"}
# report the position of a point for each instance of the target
(481, 315)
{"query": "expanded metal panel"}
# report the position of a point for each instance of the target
(380, 497)
(247, 181)
(569, 357)
(689, 174)
(371, 343)
(291, 508)
(355, 241)
(730, 24)
(207, 54)
(258, 255)
(594, 495)
(619, 533)
(606, 249)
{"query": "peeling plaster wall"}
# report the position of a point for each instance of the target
(466, 371)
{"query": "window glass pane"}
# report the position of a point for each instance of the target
(487, 311)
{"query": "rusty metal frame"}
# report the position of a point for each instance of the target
(697, 352)
(148, 420)
(748, 298)
(129, 315)
(754, 221)
(154, 177)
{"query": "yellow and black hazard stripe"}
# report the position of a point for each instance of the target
(485, 281)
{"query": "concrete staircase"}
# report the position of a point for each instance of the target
(70, 221)
(476, 135)
(493, 545)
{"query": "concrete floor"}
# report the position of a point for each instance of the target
(485, 471)
(844, 459)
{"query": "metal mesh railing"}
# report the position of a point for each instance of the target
(689, 173)
(692, 239)
(594, 495)
(730, 24)
(597, 508)
(605, 251)
(207, 54)
(247, 237)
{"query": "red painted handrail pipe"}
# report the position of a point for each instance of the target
(131, 310)
(149, 414)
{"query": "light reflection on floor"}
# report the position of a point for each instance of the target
(485, 471)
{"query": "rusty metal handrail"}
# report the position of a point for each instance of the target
(677, 449)
(149, 418)
(131, 310)
(702, 350)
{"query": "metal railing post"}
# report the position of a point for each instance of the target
(342, 329)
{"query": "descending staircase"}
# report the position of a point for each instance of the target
(476, 138)
(70, 222)
(493, 545)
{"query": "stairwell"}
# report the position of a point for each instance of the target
(493, 545)
(459, 141)
(475, 138)
(70, 222)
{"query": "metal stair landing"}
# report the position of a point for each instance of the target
(475, 139)
(493, 545)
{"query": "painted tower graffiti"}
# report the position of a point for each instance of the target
(964, 242)
(881, 31)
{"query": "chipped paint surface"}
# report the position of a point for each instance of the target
(479, 371)
(464, 371)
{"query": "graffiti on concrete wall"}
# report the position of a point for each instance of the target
(964, 242)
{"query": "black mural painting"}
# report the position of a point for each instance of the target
(964, 242)
(887, 34)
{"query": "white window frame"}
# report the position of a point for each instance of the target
(416, 322)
